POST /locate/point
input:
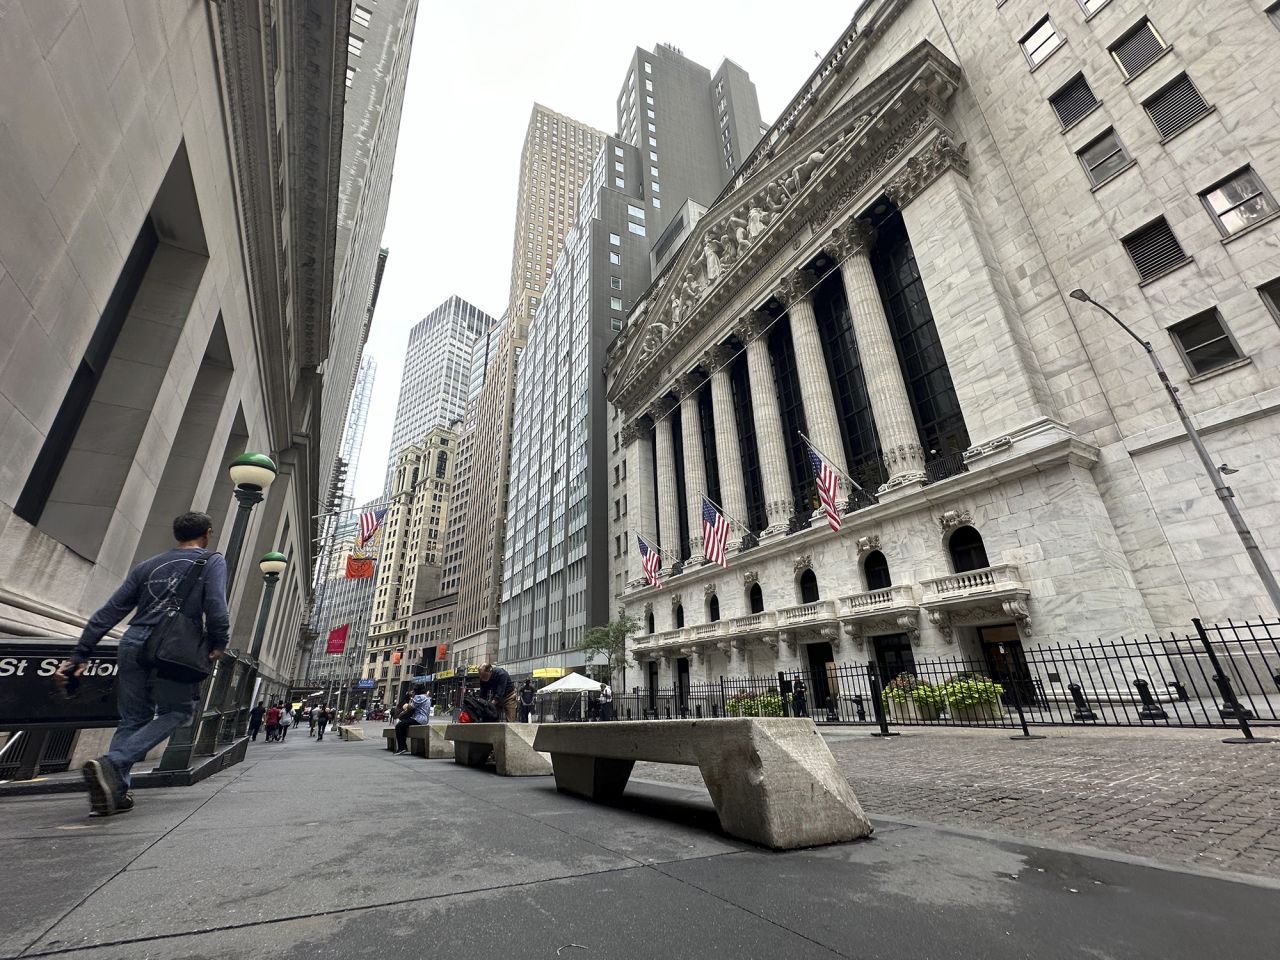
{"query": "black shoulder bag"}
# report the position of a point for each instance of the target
(177, 648)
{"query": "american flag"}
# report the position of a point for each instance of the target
(650, 560)
(369, 522)
(715, 534)
(828, 488)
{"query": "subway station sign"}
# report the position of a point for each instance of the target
(29, 697)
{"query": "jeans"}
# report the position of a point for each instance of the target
(402, 731)
(150, 708)
(320, 730)
(284, 730)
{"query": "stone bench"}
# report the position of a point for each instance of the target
(773, 780)
(350, 732)
(428, 742)
(390, 734)
(511, 745)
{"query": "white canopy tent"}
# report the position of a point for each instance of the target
(571, 683)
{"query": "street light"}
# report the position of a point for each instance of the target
(272, 565)
(1212, 471)
(251, 473)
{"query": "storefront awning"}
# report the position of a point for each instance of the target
(548, 673)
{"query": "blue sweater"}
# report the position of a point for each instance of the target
(146, 586)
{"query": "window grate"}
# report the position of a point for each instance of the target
(1205, 342)
(1137, 48)
(1176, 107)
(1073, 101)
(1104, 157)
(1154, 250)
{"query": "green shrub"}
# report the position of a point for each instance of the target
(751, 705)
(907, 686)
(971, 690)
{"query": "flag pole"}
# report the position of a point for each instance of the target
(831, 463)
(732, 519)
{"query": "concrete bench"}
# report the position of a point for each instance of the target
(511, 745)
(428, 741)
(390, 734)
(773, 780)
(350, 732)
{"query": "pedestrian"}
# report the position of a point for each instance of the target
(322, 720)
(255, 720)
(286, 720)
(190, 578)
(311, 718)
(799, 702)
(527, 695)
(606, 702)
(273, 723)
(497, 687)
(415, 712)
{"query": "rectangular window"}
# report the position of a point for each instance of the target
(653, 171)
(657, 204)
(648, 67)
(652, 128)
(1177, 106)
(649, 101)
(653, 185)
(1104, 157)
(1238, 201)
(636, 228)
(615, 283)
(1154, 250)
(617, 151)
(635, 211)
(1073, 101)
(615, 303)
(354, 45)
(653, 142)
(1139, 47)
(648, 85)
(360, 16)
(351, 75)
(614, 257)
(1205, 343)
(653, 156)
(1091, 7)
(617, 165)
(1270, 291)
(615, 239)
(619, 183)
(1041, 41)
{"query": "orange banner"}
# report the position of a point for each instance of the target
(359, 568)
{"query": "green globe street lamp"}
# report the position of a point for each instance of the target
(272, 565)
(251, 473)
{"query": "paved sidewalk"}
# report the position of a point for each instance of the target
(339, 850)
(1178, 796)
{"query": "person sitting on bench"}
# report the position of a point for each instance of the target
(497, 686)
(416, 711)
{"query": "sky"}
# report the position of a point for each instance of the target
(474, 75)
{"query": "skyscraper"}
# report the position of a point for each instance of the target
(358, 411)
(437, 372)
(378, 47)
(554, 164)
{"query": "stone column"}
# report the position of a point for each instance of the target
(997, 377)
(886, 387)
(695, 474)
(770, 444)
(642, 513)
(815, 384)
(733, 488)
(668, 499)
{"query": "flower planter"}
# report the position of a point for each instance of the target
(976, 712)
(911, 711)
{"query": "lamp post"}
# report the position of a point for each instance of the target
(1220, 488)
(251, 473)
(272, 565)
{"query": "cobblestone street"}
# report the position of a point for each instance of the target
(1181, 797)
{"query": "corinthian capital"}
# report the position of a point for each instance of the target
(930, 162)
(717, 357)
(795, 285)
(687, 385)
(660, 407)
(851, 237)
(631, 432)
(752, 325)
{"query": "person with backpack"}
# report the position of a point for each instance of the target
(186, 581)
(322, 720)
(415, 712)
(286, 721)
(273, 723)
(255, 721)
(499, 689)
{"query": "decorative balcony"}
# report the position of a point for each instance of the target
(890, 610)
(823, 611)
(977, 596)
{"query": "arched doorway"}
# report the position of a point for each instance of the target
(678, 614)
(713, 608)
(876, 570)
(809, 587)
(648, 622)
(755, 599)
(967, 550)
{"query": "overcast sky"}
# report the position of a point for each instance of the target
(474, 76)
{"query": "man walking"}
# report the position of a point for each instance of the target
(322, 720)
(606, 702)
(273, 723)
(311, 718)
(255, 721)
(527, 694)
(150, 707)
(497, 686)
(286, 720)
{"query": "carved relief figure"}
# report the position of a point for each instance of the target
(711, 259)
(756, 222)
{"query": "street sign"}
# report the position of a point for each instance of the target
(29, 698)
(364, 683)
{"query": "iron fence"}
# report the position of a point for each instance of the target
(1217, 677)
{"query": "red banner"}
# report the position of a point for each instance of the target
(441, 652)
(337, 639)
(396, 657)
(359, 568)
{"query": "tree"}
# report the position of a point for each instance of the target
(610, 642)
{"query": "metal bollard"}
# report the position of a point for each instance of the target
(877, 704)
(697, 711)
(1150, 709)
(1231, 709)
(862, 711)
(715, 708)
(1083, 711)
(1181, 691)
(833, 714)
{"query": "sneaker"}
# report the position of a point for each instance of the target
(123, 805)
(401, 753)
(104, 786)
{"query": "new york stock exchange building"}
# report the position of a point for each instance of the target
(886, 283)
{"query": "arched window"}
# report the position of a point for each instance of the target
(876, 570)
(679, 615)
(648, 622)
(808, 587)
(967, 551)
(755, 598)
(713, 609)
